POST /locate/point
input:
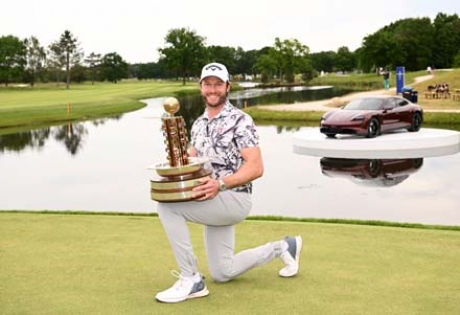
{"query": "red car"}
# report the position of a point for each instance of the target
(371, 172)
(372, 115)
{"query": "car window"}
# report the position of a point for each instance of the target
(364, 104)
(401, 101)
(389, 103)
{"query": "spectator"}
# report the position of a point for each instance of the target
(386, 79)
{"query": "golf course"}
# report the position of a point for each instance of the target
(114, 263)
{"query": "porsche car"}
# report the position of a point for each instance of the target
(371, 172)
(371, 116)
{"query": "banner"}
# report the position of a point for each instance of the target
(399, 79)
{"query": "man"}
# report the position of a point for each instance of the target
(227, 136)
(386, 79)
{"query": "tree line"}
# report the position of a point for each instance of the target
(415, 43)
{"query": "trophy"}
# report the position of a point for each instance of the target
(176, 177)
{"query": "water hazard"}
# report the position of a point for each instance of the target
(102, 166)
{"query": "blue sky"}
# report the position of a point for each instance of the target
(135, 29)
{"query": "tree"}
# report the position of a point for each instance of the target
(406, 42)
(69, 49)
(143, 71)
(376, 49)
(245, 61)
(456, 63)
(113, 67)
(323, 61)
(12, 57)
(290, 57)
(345, 60)
(446, 40)
(223, 54)
(93, 61)
(267, 67)
(184, 52)
(36, 57)
(413, 37)
(56, 60)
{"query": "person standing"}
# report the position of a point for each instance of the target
(228, 137)
(386, 79)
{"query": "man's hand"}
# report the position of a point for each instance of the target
(208, 189)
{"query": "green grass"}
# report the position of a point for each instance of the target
(114, 264)
(23, 109)
(312, 118)
(362, 82)
(49, 104)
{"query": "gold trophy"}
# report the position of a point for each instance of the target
(176, 178)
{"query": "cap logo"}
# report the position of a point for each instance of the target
(213, 67)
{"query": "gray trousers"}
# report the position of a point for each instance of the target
(218, 215)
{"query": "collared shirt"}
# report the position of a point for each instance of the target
(221, 138)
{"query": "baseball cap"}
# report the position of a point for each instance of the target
(215, 69)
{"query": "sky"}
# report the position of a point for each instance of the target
(135, 29)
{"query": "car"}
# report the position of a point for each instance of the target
(371, 172)
(371, 116)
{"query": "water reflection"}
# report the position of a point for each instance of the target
(70, 135)
(109, 173)
(371, 172)
(17, 142)
(284, 95)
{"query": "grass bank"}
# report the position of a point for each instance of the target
(112, 264)
(438, 112)
(361, 82)
(49, 104)
(312, 118)
(29, 108)
(365, 82)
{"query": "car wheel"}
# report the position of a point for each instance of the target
(374, 167)
(373, 129)
(417, 163)
(330, 135)
(416, 122)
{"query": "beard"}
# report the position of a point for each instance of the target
(215, 100)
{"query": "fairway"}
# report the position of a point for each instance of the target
(27, 107)
(114, 264)
(24, 109)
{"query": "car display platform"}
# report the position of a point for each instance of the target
(400, 144)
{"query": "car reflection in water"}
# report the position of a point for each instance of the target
(371, 172)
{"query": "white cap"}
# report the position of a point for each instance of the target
(215, 69)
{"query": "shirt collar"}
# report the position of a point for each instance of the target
(225, 111)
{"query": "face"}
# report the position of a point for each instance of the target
(214, 91)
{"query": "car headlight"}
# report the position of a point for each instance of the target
(358, 118)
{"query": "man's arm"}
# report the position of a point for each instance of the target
(251, 169)
(191, 151)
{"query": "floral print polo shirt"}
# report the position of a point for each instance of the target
(221, 138)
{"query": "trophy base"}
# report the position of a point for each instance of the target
(176, 188)
(165, 170)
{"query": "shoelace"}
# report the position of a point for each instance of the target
(181, 282)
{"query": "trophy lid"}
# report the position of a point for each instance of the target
(164, 169)
(171, 105)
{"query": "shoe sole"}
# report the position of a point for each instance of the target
(198, 294)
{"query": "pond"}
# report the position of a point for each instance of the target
(102, 166)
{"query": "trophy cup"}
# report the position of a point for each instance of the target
(176, 177)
